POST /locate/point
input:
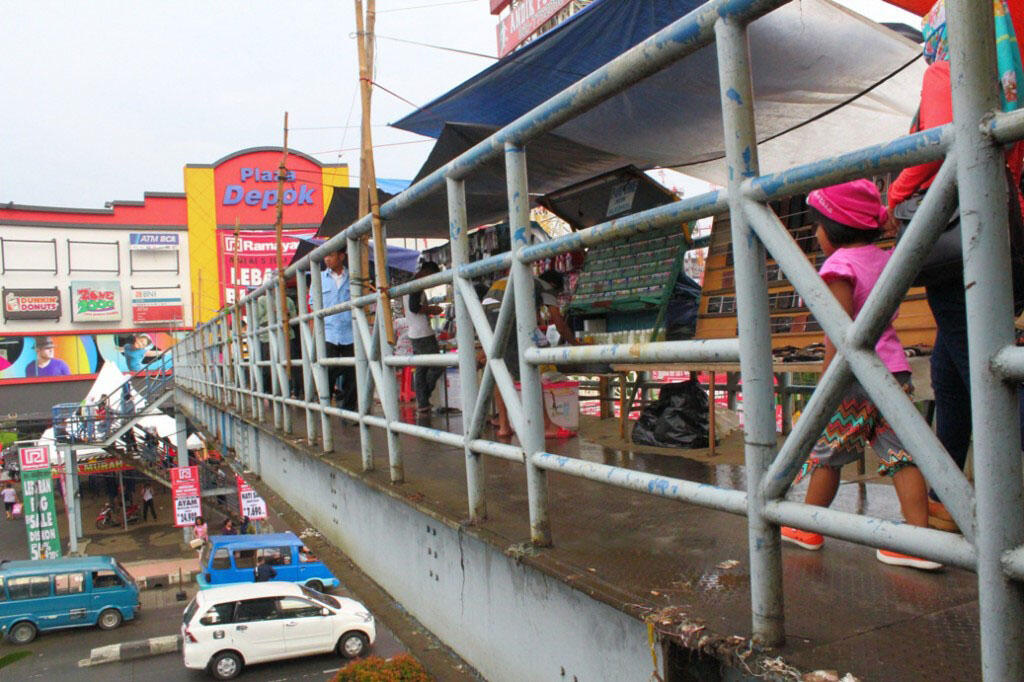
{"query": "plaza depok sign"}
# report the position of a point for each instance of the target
(249, 501)
(93, 301)
(185, 494)
(39, 508)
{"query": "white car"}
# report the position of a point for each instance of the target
(227, 628)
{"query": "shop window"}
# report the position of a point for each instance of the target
(106, 579)
(293, 607)
(84, 256)
(221, 560)
(219, 614)
(245, 558)
(277, 556)
(69, 583)
(256, 609)
(28, 255)
(29, 587)
(153, 261)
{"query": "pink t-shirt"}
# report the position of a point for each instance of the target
(862, 266)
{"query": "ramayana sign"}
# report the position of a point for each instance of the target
(95, 301)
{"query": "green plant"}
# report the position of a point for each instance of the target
(400, 668)
(14, 657)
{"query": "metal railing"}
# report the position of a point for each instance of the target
(104, 421)
(211, 364)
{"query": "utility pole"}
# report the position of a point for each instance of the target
(282, 172)
(368, 198)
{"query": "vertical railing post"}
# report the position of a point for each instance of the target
(752, 313)
(302, 330)
(981, 179)
(241, 370)
(284, 353)
(459, 240)
(316, 300)
(256, 355)
(532, 437)
(356, 289)
(255, 402)
(273, 341)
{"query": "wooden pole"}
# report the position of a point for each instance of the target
(234, 267)
(368, 173)
(282, 172)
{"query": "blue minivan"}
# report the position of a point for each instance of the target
(64, 593)
(229, 559)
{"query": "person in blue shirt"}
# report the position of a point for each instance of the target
(338, 328)
(137, 351)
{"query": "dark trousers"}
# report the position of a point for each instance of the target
(425, 378)
(347, 394)
(950, 370)
(295, 378)
(147, 508)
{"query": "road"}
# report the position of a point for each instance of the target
(56, 654)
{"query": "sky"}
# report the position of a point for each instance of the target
(109, 99)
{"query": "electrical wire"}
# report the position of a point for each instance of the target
(436, 4)
(436, 47)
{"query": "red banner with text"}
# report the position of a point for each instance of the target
(257, 258)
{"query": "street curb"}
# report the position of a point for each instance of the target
(126, 651)
(152, 582)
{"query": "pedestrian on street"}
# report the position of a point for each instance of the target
(147, 501)
(264, 572)
(334, 284)
(424, 342)
(200, 530)
(10, 497)
(229, 527)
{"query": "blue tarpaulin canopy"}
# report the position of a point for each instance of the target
(826, 80)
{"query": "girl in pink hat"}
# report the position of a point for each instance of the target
(849, 218)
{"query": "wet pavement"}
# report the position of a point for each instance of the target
(687, 566)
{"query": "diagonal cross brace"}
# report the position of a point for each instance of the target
(880, 385)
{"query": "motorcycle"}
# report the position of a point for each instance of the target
(111, 517)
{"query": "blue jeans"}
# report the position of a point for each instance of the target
(951, 374)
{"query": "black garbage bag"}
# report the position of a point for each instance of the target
(678, 419)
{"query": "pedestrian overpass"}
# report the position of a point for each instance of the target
(576, 563)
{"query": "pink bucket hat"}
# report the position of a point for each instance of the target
(856, 204)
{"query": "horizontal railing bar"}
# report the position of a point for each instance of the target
(1009, 363)
(427, 433)
(1006, 127)
(421, 284)
(1013, 563)
(938, 545)
(425, 360)
(711, 350)
(337, 362)
(732, 501)
(500, 450)
(486, 266)
(676, 213)
(923, 147)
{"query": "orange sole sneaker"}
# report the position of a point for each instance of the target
(802, 538)
(896, 559)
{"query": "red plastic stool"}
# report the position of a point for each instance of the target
(406, 393)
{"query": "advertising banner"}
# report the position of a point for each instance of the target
(152, 241)
(72, 357)
(185, 493)
(31, 304)
(257, 258)
(522, 20)
(157, 305)
(37, 498)
(98, 301)
(249, 501)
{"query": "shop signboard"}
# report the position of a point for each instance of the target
(185, 493)
(257, 258)
(95, 301)
(157, 305)
(32, 358)
(250, 502)
(39, 508)
(31, 304)
(152, 241)
(523, 19)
